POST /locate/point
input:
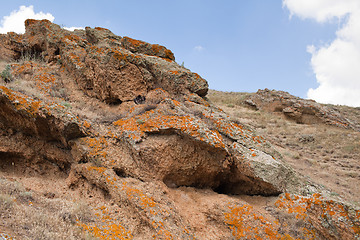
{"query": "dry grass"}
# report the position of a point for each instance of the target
(229, 99)
(3, 65)
(328, 155)
(35, 217)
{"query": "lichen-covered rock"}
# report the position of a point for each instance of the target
(108, 67)
(297, 109)
(35, 118)
(121, 126)
(137, 46)
(11, 46)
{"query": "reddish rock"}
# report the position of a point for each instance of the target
(117, 124)
(137, 46)
(104, 67)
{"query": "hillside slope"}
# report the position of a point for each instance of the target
(107, 137)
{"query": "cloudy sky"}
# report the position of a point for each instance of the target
(310, 48)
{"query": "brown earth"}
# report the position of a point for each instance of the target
(107, 137)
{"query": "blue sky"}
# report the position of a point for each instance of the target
(235, 45)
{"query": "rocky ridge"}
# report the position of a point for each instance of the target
(297, 109)
(152, 138)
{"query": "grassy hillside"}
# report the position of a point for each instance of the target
(328, 155)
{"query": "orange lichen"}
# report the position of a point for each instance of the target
(157, 48)
(86, 124)
(131, 193)
(75, 60)
(6, 236)
(98, 50)
(102, 29)
(109, 229)
(197, 76)
(245, 223)
(148, 206)
(21, 101)
(72, 38)
(120, 56)
(175, 72)
(97, 169)
(96, 146)
(169, 55)
(33, 21)
(42, 76)
(152, 121)
(303, 207)
(134, 42)
(234, 130)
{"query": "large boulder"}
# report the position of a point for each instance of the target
(108, 67)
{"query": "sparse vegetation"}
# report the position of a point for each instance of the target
(316, 150)
(6, 74)
(6, 202)
(37, 217)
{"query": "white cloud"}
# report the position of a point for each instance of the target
(74, 28)
(321, 10)
(199, 48)
(15, 21)
(337, 65)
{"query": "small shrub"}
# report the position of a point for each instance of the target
(59, 92)
(25, 197)
(66, 104)
(351, 148)
(230, 105)
(82, 212)
(6, 74)
(6, 202)
(33, 56)
(140, 121)
(306, 138)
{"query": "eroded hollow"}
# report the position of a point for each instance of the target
(113, 101)
(179, 160)
(120, 172)
(246, 186)
(33, 53)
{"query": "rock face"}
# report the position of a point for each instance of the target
(153, 133)
(117, 70)
(114, 69)
(297, 109)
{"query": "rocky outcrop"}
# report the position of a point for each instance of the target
(150, 134)
(118, 70)
(29, 116)
(108, 67)
(297, 109)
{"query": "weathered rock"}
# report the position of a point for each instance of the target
(98, 34)
(104, 67)
(32, 117)
(164, 143)
(11, 46)
(297, 109)
(220, 153)
(137, 46)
